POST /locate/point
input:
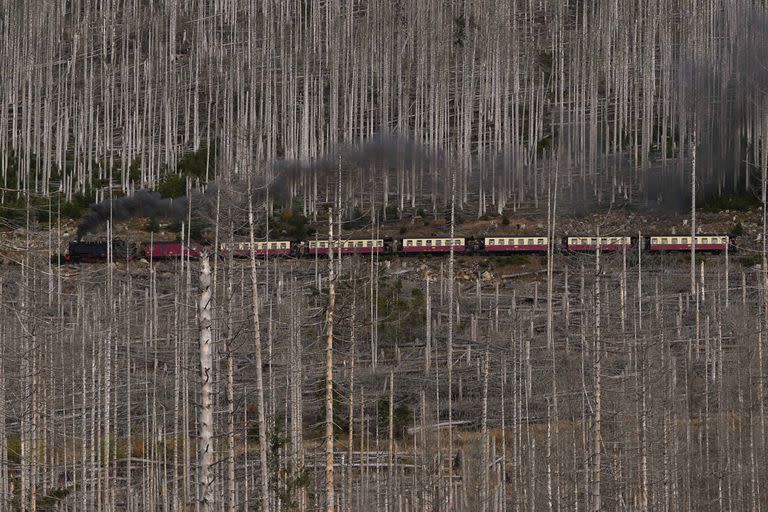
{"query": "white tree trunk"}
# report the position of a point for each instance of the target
(205, 444)
(329, 486)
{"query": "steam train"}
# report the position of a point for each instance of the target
(120, 250)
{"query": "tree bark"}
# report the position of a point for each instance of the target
(329, 484)
(205, 444)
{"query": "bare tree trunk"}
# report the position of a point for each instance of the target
(205, 447)
(449, 361)
(596, 369)
(329, 485)
(264, 474)
(693, 211)
(231, 483)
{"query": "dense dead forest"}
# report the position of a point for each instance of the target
(603, 381)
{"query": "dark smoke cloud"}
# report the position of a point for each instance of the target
(143, 203)
(383, 151)
(721, 92)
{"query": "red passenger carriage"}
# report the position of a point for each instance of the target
(161, 249)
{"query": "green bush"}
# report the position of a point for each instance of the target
(13, 211)
(174, 185)
(194, 164)
(737, 229)
(402, 418)
(134, 171)
(80, 204)
(14, 449)
(290, 224)
(742, 202)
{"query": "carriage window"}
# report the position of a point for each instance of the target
(492, 241)
(409, 242)
(541, 241)
(418, 243)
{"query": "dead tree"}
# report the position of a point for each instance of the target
(205, 425)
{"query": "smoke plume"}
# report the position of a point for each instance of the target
(143, 203)
(721, 93)
(381, 152)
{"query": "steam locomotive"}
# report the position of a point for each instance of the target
(119, 250)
